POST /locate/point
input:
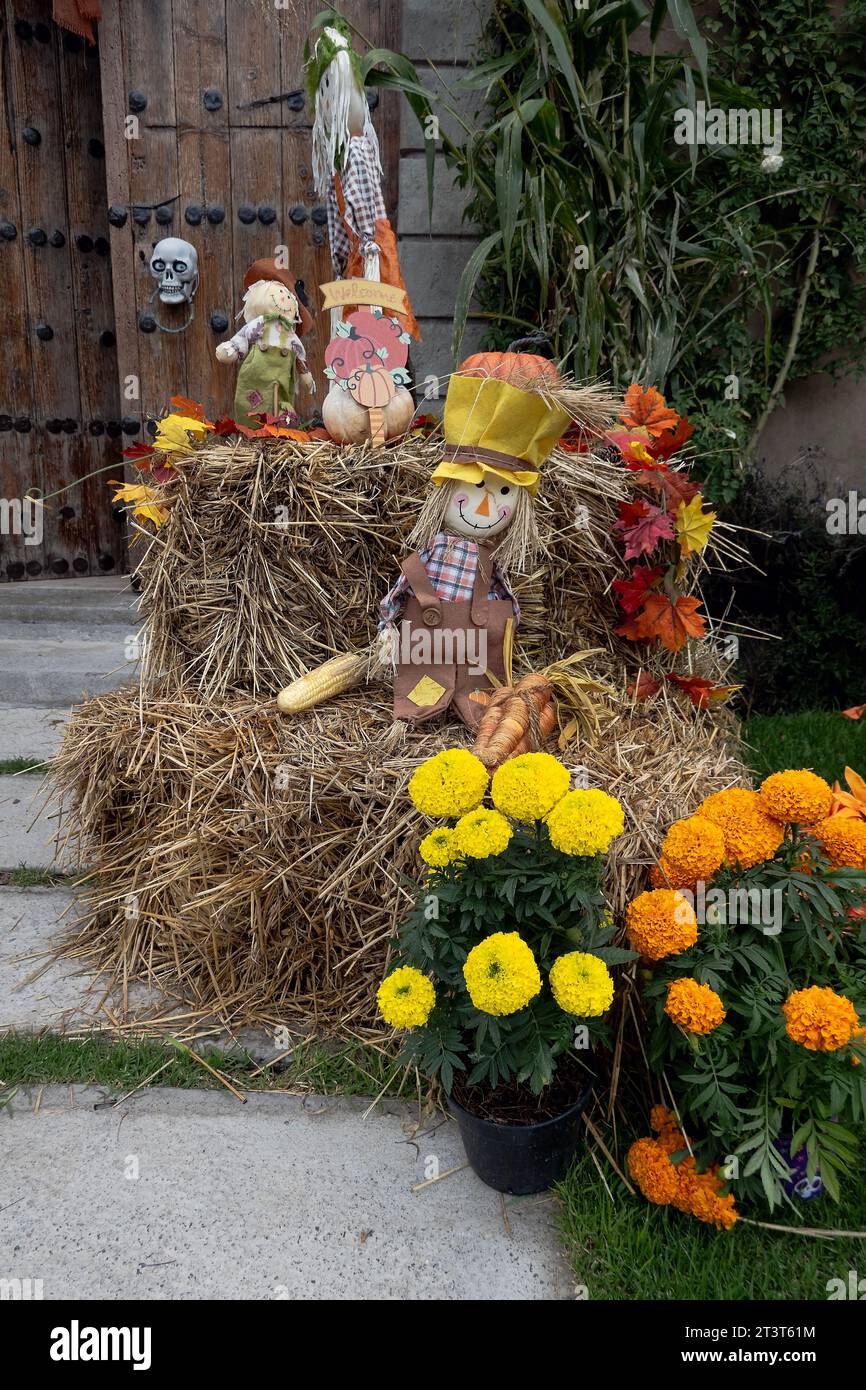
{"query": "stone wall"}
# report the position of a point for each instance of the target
(441, 40)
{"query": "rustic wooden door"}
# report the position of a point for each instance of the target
(60, 414)
(207, 135)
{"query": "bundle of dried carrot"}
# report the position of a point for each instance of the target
(518, 719)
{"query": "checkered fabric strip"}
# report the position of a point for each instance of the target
(451, 563)
(362, 192)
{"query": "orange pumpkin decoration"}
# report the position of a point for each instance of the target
(521, 369)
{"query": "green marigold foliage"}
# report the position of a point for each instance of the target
(746, 1084)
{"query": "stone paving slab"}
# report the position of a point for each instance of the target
(28, 731)
(29, 921)
(41, 670)
(26, 837)
(191, 1195)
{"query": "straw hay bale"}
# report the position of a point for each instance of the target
(255, 862)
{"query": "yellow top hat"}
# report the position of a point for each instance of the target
(494, 428)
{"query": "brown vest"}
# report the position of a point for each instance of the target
(441, 641)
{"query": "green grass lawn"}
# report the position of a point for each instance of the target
(46, 1060)
(623, 1247)
(826, 742)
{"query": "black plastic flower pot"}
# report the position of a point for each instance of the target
(522, 1158)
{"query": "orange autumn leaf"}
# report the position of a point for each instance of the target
(184, 405)
(851, 804)
(646, 409)
(855, 712)
(672, 623)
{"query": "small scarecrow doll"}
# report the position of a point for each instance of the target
(448, 622)
(347, 170)
(269, 347)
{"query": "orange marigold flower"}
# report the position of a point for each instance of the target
(653, 1172)
(664, 874)
(661, 923)
(819, 1019)
(693, 1006)
(798, 798)
(700, 1194)
(694, 848)
(662, 1118)
(751, 836)
(844, 841)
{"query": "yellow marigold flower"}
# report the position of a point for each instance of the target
(501, 974)
(406, 998)
(449, 784)
(481, 833)
(819, 1019)
(439, 848)
(693, 1006)
(844, 841)
(661, 923)
(528, 786)
(581, 984)
(751, 836)
(694, 848)
(797, 798)
(653, 1172)
(585, 822)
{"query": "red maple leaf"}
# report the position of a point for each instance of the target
(671, 441)
(700, 691)
(225, 425)
(647, 410)
(676, 485)
(630, 513)
(643, 537)
(631, 592)
(137, 453)
(644, 687)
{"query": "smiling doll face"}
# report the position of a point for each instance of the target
(480, 511)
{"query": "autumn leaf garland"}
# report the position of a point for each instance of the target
(661, 529)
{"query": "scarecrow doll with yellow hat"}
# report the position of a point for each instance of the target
(447, 623)
(269, 346)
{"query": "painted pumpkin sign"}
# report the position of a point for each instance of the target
(367, 360)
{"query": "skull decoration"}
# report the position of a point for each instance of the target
(174, 266)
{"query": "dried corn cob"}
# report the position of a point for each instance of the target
(340, 673)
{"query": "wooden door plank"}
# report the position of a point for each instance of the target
(204, 165)
(119, 152)
(253, 40)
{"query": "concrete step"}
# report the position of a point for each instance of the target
(30, 732)
(286, 1197)
(24, 839)
(73, 627)
(47, 671)
(90, 601)
(33, 997)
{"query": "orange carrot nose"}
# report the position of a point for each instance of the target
(483, 508)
